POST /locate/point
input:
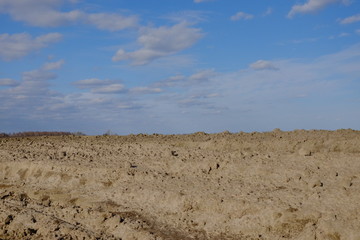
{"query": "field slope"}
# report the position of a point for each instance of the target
(273, 185)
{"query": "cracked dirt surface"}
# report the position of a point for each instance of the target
(274, 185)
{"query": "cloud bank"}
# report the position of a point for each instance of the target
(196, 101)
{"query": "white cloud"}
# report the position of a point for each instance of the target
(263, 65)
(160, 42)
(8, 82)
(145, 90)
(100, 86)
(357, 31)
(179, 80)
(90, 83)
(31, 93)
(53, 65)
(242, 15)
(351, 19)
(171, 81)
(32, 102)
(48, 38)
(21, 44)
(41, 75)
(38, 75)
(111, 22)
(202, 76)
(109, 89)
(46, 13)
(312, 6)
(42, 13)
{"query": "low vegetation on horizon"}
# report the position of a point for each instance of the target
(37, 134)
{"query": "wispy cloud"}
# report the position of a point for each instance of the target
(7, 82)
(202, 76)
(15, 46)
(111, 21)
(242, 15)
(313, 6)
(99, 86)
(189, 16)
(340, 35)
(305, 40)
(351, 19)
(263, 65)
(268, 12)
(109, 89)
(160, 42)
(91, 83)
(53, 65)
(171, 81)
(198, 78)
(146, 90)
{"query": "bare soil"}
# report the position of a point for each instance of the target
(273, 185)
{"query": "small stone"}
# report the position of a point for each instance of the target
(9, 219)
(31, 231)
(318, 183)
(305, 152)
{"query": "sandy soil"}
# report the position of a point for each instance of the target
(274, 185)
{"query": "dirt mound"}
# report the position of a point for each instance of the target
(274, 185)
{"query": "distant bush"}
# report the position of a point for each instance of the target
(79, 134)
(4, 135)
(109, 133)
(36, 134)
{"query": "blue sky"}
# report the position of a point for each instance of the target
(179, 66)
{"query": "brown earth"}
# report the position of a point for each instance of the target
(274, 185)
